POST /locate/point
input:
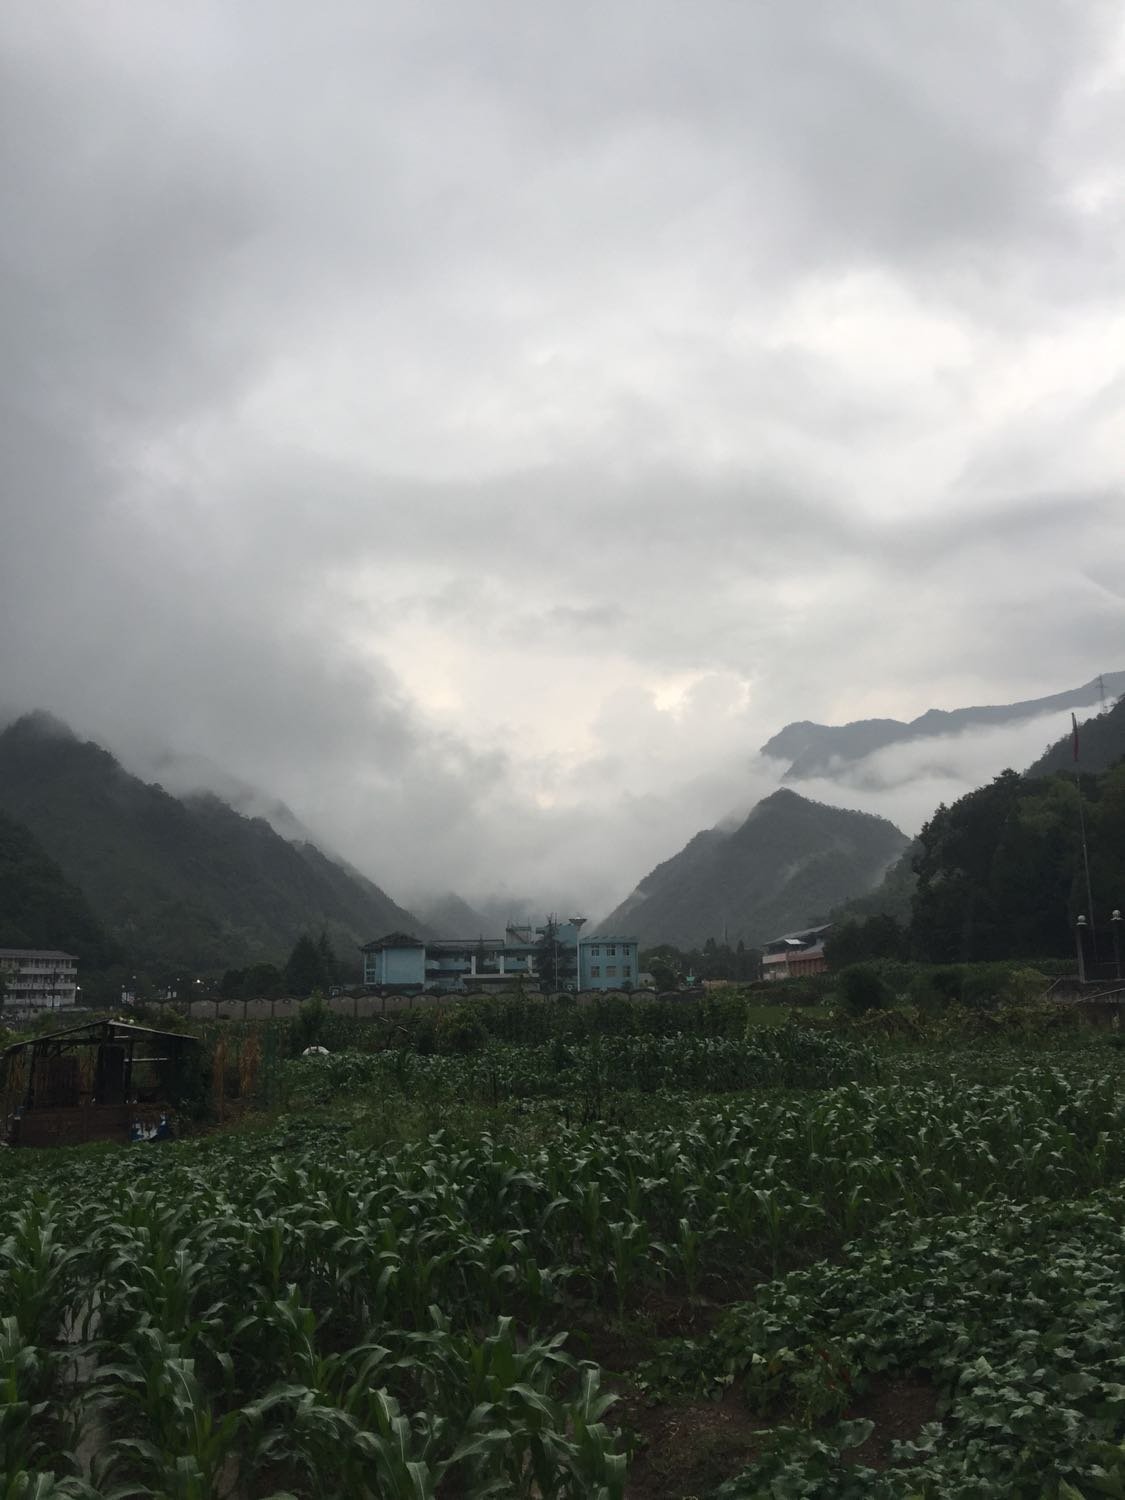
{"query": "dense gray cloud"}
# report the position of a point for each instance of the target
(482, 425)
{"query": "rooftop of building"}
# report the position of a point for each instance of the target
(38, 953)
(804, 937)
(392, 940)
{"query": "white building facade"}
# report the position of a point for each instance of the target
(38, 978)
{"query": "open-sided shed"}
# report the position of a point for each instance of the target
(100, 1081)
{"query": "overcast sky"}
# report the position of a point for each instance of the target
(483, 424)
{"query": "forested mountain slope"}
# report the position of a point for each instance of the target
(39, 907)
(786, 866)
(177, 882)
(1101, 743)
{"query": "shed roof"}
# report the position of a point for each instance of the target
(93, 1032)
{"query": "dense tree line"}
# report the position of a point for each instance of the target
(999, 874)
(311, 966)
(671, 966)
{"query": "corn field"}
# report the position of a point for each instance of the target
(280, 1313)
(285, 1311)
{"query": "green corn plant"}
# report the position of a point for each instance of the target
(36, 1271)
(598, 1471)
(28, 1378)
(21, 1484)
(187, 1446)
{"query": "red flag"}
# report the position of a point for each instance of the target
(1074, 735)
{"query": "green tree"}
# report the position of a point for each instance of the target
(231, 986)
(311, 1023)
(264, 982)
(554, 961)
(304, 968)
(1000, 872)
(854, 942)
(664, 975)
(863, 988)
(329, 966)
(954, 916)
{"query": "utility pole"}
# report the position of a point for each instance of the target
(1082, 829)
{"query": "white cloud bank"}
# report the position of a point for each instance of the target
(482, 426)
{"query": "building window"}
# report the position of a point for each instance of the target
(610, 952)
(595, 952)
(595, 971)
(611, 971)
(627, 971)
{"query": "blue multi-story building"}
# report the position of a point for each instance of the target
(405, 963)
(397, 961)
(607, 961)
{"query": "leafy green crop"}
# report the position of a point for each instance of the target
(1017, 1315)
(284, 1313)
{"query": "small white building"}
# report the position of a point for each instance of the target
(38, 978)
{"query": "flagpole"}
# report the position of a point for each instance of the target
(1085, 850)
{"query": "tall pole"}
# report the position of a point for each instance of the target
(1079, 934)
(1086, 864)
(1082, 829)
(1115, 924)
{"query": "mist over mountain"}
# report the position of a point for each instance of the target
(788, 864)
(1101, 741)
(186, 883)
(450, 917)
(814, 750)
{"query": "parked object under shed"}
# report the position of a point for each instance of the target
(101, 1081)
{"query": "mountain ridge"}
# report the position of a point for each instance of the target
(787, 864)
(814, 749)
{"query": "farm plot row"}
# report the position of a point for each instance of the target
(314, 1319)
(781, 1057)
(1016, 1315)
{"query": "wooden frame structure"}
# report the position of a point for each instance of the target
(100, 1081)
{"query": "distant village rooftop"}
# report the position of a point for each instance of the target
(796, 955)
